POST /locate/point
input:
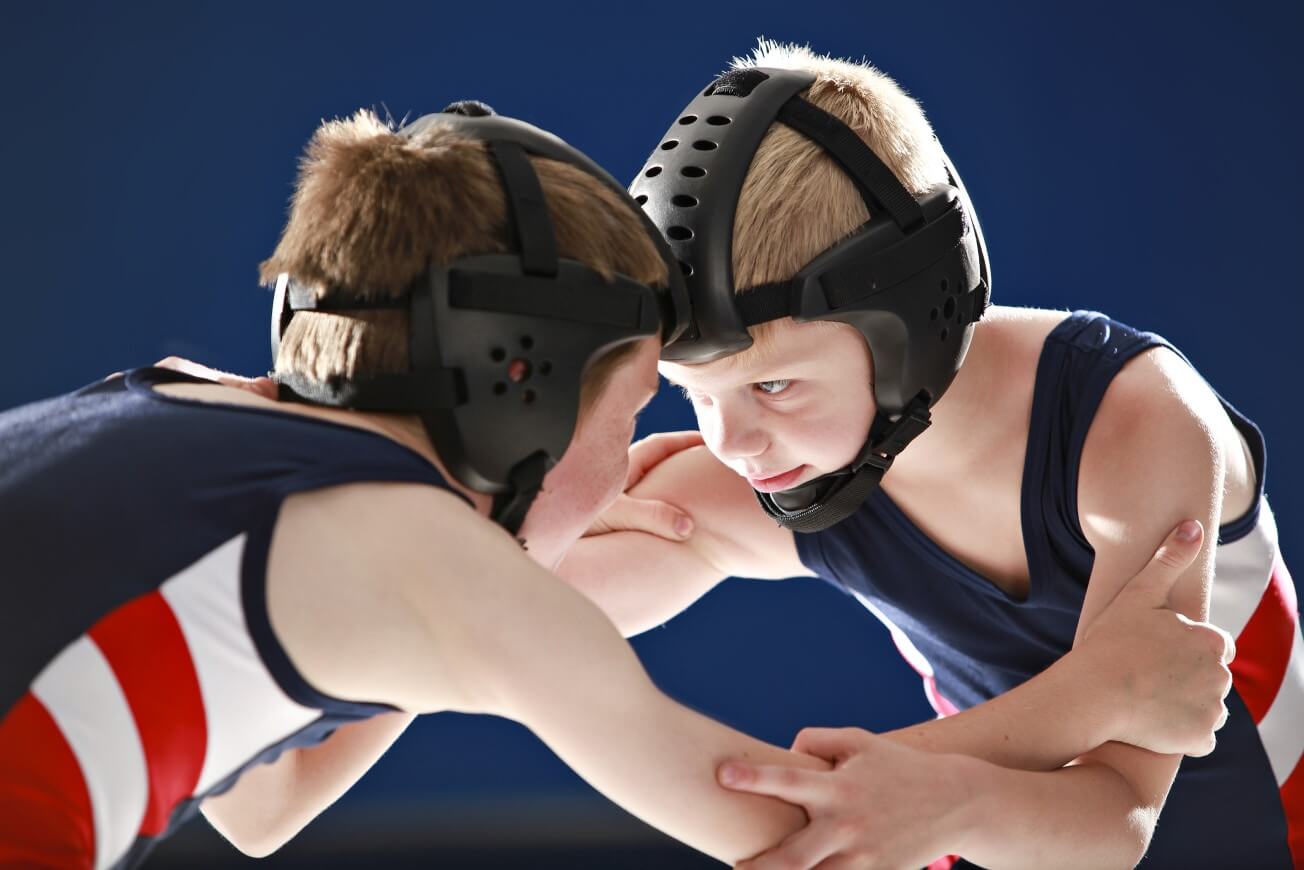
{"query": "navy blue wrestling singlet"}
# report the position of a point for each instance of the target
(138, 670)
(1241, 806)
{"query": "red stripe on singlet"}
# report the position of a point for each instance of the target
(1263, 646)
(143, 643)
(45, 809)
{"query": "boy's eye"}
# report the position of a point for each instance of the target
(773, 387)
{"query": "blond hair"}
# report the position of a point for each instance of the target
(372, 210)
(796, 202)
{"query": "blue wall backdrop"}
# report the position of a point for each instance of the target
(1141, 159)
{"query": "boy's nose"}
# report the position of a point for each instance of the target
(734, 437)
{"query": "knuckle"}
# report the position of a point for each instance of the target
(663, 515)
(1170, 557)
(1217, 641)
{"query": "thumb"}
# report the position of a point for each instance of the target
(659, 518)
(1174, 556)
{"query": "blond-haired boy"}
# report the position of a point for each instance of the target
(1063, 445)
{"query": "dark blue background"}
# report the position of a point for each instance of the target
(1138, 159)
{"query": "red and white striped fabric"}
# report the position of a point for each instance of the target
(160, 701)
(1253, 599)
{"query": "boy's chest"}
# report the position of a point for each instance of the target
(965, 492)
(978, 522)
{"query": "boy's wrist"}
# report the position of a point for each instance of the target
(1097, 684)
(976, 792)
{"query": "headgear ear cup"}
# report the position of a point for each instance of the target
(480, 326)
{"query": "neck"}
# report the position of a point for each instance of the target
(949, 444)
(409, 431)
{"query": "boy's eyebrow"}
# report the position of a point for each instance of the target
(754, 371)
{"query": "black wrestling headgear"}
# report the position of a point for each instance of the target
(498, 342)
(913, 279)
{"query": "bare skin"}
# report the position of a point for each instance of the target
(365, 613)
(767, 413)
(979, 733)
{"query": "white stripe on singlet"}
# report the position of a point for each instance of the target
(83, 696)
(245, 709)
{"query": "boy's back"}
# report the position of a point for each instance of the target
(136, 637)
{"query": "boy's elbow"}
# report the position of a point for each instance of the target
(1139, 829)
(259, 848)
(254, 816)
(253, 843)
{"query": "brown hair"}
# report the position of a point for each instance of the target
(372, 209)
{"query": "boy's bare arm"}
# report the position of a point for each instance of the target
(367, 613)
(271, 803)
(1152, 458)
(1114, 688)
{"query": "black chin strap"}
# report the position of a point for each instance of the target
(526, 478)
(831, 498)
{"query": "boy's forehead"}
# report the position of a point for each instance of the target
(778, 345)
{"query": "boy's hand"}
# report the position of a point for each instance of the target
(629, 514)
(1171, 671)
(262, 386)
(882, 804)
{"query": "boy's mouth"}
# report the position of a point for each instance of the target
(776, 482)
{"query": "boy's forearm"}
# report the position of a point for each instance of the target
(1084, 816)
(639, 581)
(661, 766)
(658, 759)
(1058, 715)
(555, 664)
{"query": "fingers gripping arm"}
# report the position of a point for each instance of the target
(1141, 675)
(641, 580)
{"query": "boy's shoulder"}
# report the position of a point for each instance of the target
(379, 524)
(1019, 334)
(1160, 437)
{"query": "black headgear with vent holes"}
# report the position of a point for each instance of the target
(498, 343)
(913, 279)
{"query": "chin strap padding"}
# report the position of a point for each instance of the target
(831, 498)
